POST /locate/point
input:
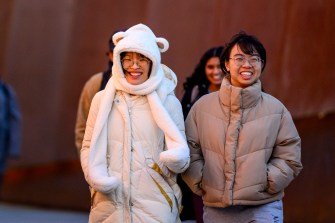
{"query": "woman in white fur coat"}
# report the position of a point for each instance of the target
(134, 143)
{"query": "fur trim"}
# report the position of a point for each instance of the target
(177, 157)
(177, 160)
(163, 44)
(105, 184)
(138, 39)
(98, 177)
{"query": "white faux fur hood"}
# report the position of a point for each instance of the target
(138, 39)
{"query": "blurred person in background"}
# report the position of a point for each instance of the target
(206, 78)
(10, 127)
(245, 149)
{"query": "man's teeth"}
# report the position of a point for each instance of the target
(246, 73)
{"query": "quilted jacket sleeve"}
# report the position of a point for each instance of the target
(285, 164)
(193, 175)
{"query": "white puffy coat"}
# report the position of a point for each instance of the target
(147, 191)
(134, 142)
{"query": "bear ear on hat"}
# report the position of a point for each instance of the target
(118, 36)
(162, 44)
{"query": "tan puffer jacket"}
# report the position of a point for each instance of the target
(244, 146)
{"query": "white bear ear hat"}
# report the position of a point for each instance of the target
(139, 39)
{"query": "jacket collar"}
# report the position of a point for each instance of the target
(239, 98)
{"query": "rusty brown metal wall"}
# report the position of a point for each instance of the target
(50, 48)
(310, 198)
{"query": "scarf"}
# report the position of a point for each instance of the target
(176, 157)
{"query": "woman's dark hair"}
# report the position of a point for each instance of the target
(248, 44)
(198, 77)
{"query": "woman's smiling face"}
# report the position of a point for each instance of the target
(213, 71)
(136, 67)
(244, 69)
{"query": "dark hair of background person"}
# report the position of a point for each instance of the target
(248, 44)
(198, 77)
(108, 72)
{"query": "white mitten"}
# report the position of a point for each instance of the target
(177, 160)
(104, 184)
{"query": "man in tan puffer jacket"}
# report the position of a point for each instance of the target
(245, 149)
